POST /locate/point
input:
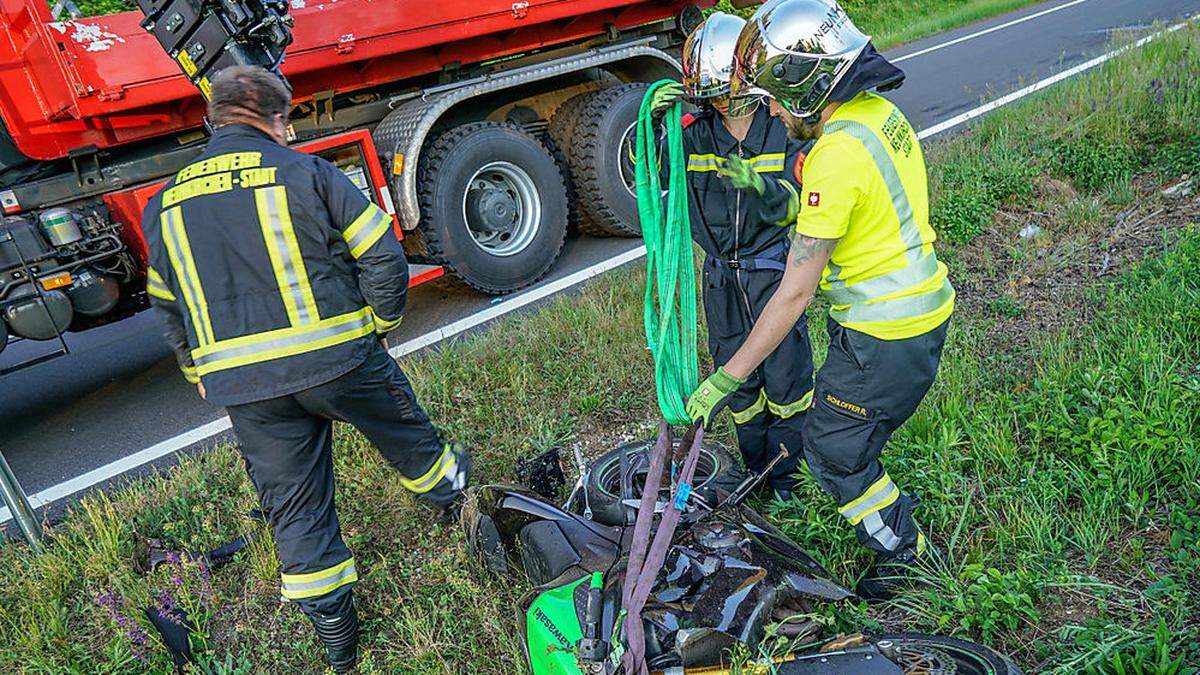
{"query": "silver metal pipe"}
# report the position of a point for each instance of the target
(18, 504)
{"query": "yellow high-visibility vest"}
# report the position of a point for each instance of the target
(864, 184)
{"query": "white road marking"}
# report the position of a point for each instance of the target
(207, 431)
(512, 304)
(993, 29)
(1042, 84)
(120, 466)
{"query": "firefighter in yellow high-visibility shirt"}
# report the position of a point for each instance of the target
(862, 237)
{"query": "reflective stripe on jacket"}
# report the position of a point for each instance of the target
(272, 271)
(865, 184)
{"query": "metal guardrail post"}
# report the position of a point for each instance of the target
(18, 504)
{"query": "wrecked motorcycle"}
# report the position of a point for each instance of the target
(727, 577)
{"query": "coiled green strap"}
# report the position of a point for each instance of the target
(670, 302)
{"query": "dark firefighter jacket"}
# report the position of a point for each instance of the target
(727, 223)
(272, 271)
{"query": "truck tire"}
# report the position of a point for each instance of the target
(561, 131)
(602, 160)
(493, 206)
(717, 472)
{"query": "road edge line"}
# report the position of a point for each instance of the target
(986, 31)
(512, 304)
(973, 113)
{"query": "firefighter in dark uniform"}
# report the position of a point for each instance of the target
(276, 279)
(864, 240)
(744, 235)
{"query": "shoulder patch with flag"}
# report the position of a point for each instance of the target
(814, 199)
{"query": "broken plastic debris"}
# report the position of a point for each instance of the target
(1182, 188)
(1030, 231)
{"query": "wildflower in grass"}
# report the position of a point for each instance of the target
(167, 606)
(139, 641)
(187, 596)
(1155, 87)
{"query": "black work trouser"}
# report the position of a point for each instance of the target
(769, 407)
(287, 444)
(865, 390)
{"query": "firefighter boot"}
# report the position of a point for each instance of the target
(890, 574)
(336, 622)
(447, 495)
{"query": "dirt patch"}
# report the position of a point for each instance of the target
(1034, 269)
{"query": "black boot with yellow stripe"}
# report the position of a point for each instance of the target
(888, 575)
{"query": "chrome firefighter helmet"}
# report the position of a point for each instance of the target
(708, 62)
(796, 51)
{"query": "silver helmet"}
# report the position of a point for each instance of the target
(708, 56)
(796, 51)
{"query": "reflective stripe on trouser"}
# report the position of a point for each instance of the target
(748, 413)
(865, 510)
(445, 465)
(786, 410)
(769, 408)
(321, 582)
(287, 445)
(865, 390)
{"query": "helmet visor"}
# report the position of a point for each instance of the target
(795, 51)
(708, 56)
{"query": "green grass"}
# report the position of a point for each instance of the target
(895, 22)
(1057, 456)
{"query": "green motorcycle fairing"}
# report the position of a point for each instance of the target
(552, 629)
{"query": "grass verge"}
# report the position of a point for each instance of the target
(1058, 455)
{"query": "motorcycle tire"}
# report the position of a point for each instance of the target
(966, 657)
(718, 472)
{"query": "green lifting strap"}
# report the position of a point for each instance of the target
(670, 302)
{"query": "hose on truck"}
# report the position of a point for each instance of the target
(670, 301)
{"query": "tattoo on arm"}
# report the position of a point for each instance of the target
(805, 249)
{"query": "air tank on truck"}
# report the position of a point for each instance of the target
(487, 128)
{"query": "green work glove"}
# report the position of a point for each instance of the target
(741, 175)
(711, 396)
(665, 97)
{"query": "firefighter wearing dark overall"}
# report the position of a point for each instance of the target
(276, 278)
(864, 240)
(744, 235)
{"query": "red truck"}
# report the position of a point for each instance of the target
(483, 126)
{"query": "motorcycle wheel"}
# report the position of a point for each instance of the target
(718, 472)
(920, 653)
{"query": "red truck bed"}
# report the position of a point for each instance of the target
(104, 81)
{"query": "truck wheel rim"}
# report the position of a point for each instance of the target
(502, 208)
(627, 155)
